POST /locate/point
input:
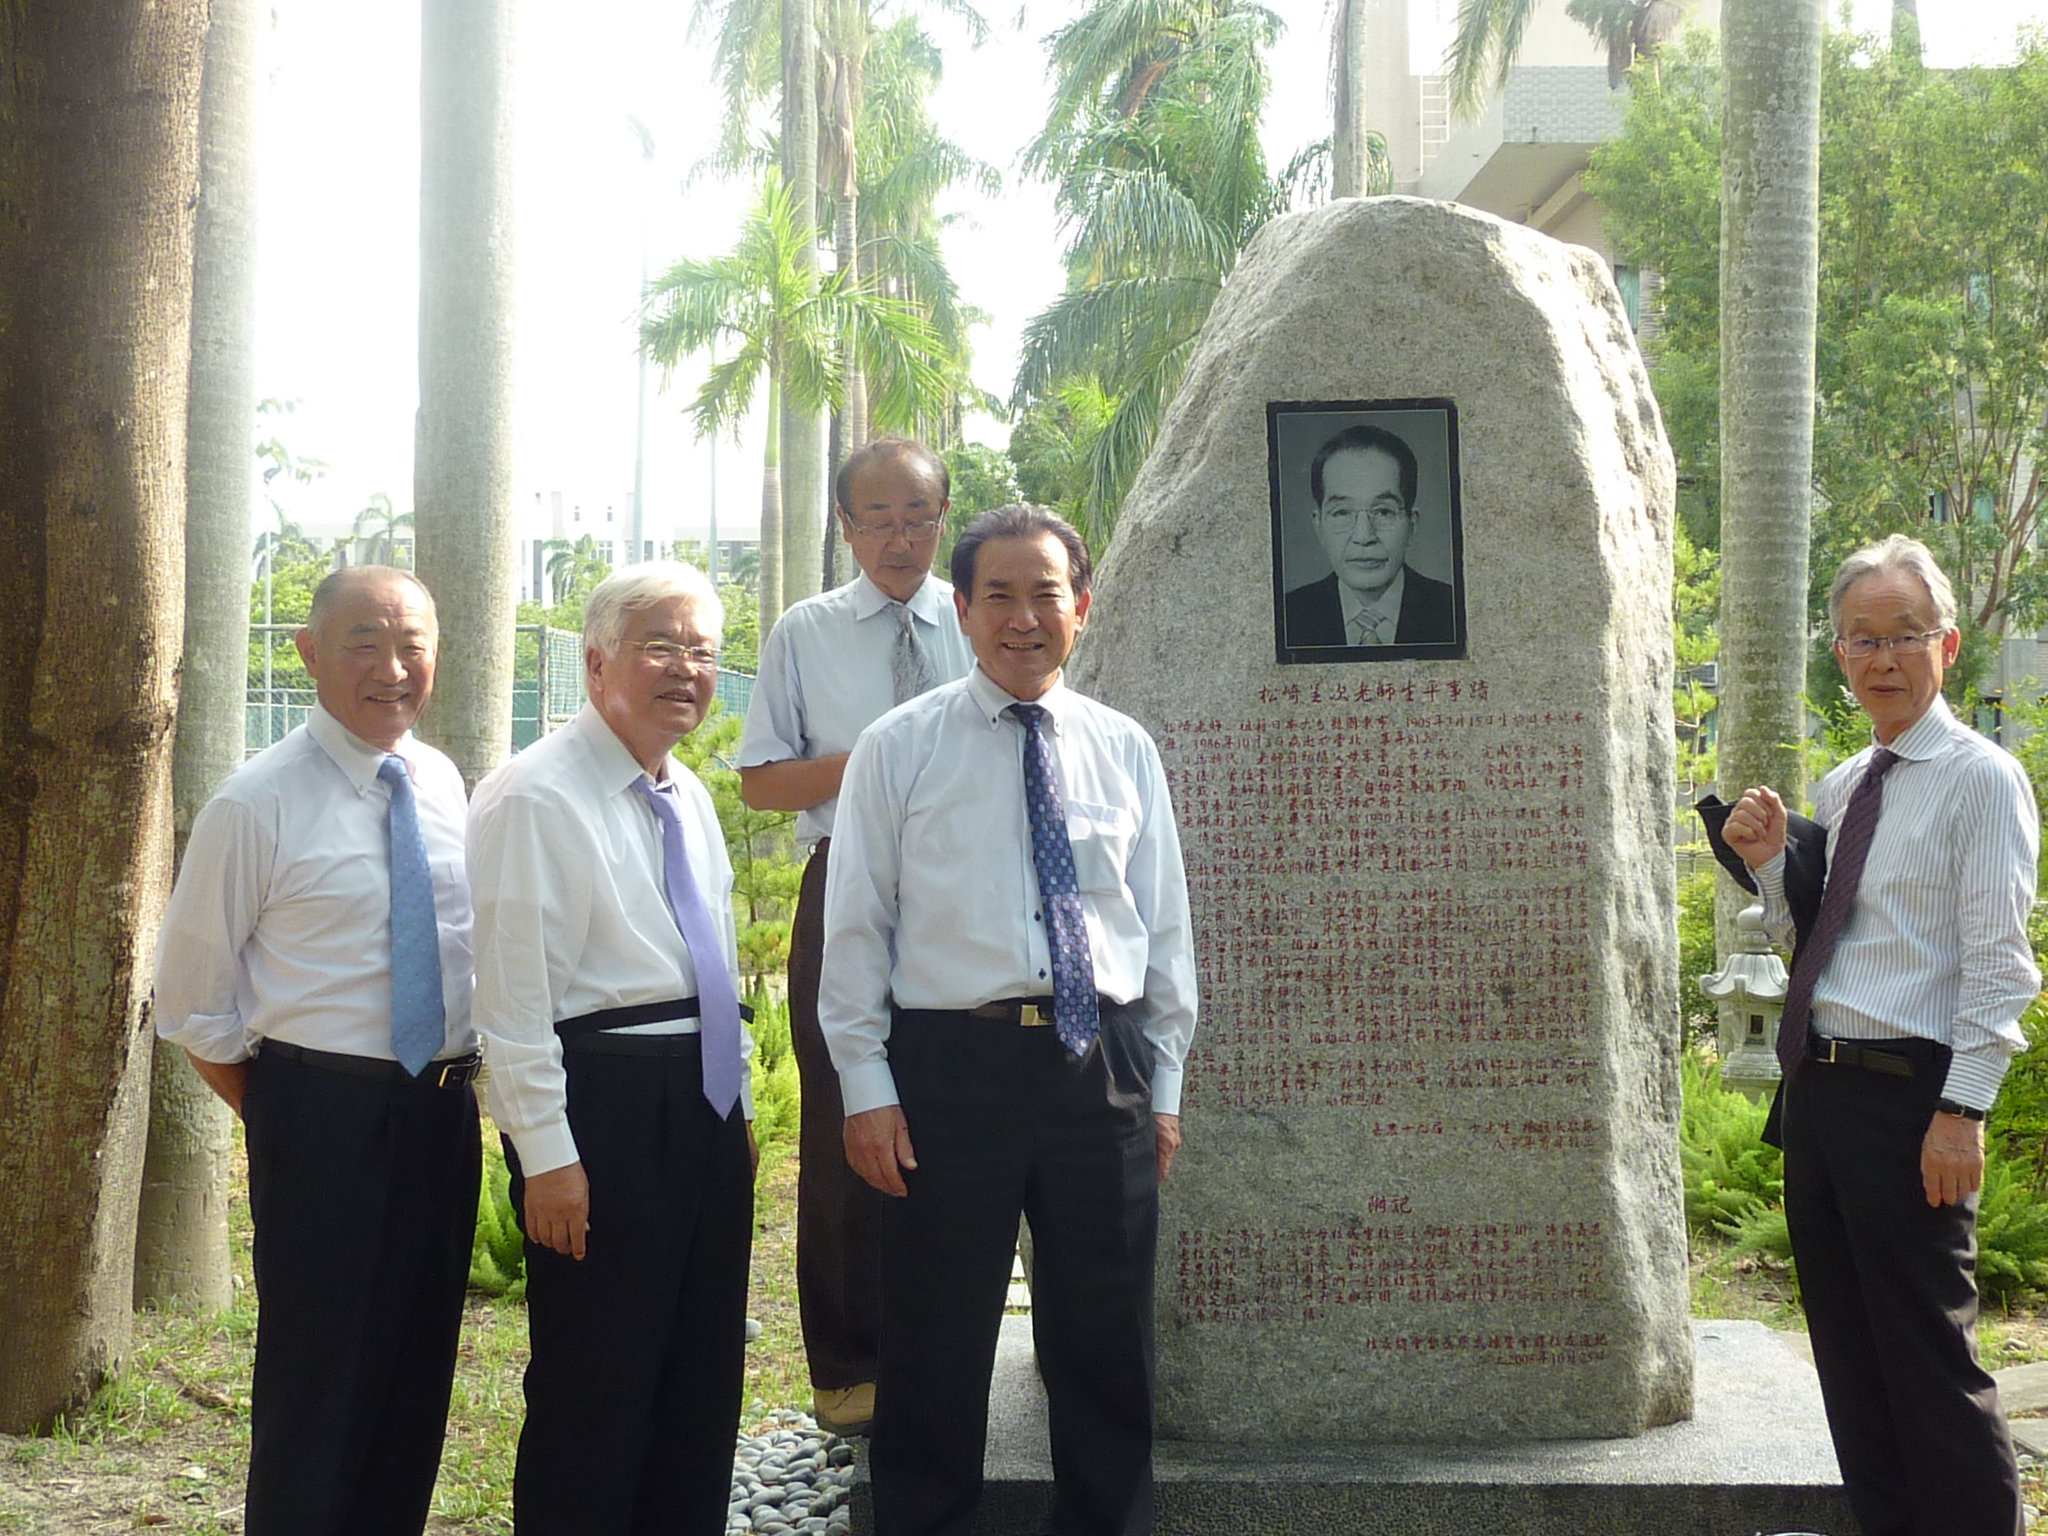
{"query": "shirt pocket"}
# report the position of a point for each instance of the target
(1102, 836)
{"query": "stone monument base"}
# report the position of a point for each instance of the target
(1754, 1458)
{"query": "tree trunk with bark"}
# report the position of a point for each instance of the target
(771, 510)
(1770, 253)
(462, 455)
(99, 158)
(181, 1231)
(803, 437)
(1349, 158)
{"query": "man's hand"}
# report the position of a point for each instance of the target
(1755, 829)
(229, 1079)
(1952, 1159)
(558, 1209)
(1166, 1129)
(878, 1147)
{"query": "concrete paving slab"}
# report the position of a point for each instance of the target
(1755, 1457)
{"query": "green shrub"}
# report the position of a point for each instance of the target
(1696, 1010)
(497, 1258)
(1730, 1175)
(776, 1096)
(2012, 1234)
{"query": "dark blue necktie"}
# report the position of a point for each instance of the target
(718, 1001)
(1074, 1006)
(419, 1016)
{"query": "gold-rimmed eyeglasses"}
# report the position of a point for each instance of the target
(666, 653)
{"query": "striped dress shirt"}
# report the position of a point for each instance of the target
(1936, 947)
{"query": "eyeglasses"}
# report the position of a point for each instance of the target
(666, 653)
(915, 533)
(1382, 517)
(1863, 647)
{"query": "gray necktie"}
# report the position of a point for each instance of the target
(909, 668)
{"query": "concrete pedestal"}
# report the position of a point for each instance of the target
(1754, 1458)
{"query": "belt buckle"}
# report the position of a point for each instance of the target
(1831, 1058)
(457, 1067)
(1031, 1016)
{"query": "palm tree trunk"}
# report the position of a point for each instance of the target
(803, 437)
(771, 512)
(1349, 155)
(181, 1233)
(852, 425)
(1770, 177)
(99, 153)
(462, 457)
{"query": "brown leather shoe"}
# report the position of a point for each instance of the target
(845, 1410)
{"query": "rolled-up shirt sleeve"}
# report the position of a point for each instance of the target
(860, 931)
(1770, 885)
(1997, 843)
(532, 909)
(1159, 887)
(213, 912)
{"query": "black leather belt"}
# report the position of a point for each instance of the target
(1857, 1053)
(1030, 1012)
(447, 1072)
(636, 1013)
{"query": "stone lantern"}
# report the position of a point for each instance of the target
(1754, 980)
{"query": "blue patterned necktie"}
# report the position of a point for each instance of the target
(1074, 1006)
(718, 1022)
(419, 1016)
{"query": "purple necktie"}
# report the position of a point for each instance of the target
(1076, 1010)
(1845, 873)
(719, 1021)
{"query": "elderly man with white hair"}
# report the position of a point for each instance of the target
(607, 1002)
(1909, 890)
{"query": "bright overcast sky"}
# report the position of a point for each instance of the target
(338, 285)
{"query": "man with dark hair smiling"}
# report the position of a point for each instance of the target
(1008, 994)
(1363, 481)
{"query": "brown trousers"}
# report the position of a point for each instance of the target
(838, 1213)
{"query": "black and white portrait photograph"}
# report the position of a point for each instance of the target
(1368, 539)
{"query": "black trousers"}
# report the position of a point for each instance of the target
(838, 1213)
(364, 1198)
(633, 1389)
(1889, 1287)
(1003, 1121)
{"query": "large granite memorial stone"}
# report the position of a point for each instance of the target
(1430, 1188)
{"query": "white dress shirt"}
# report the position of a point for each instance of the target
(932, 899)
(826, 676)
(279, 927)
(1936, 947)
(572, 916)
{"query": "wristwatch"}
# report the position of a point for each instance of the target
(1961, 1111)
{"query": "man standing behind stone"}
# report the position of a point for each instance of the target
(606, 998)
(315, 965)
(1364, 483)
(1910, 891)
(834, 664)
(1008, 994)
